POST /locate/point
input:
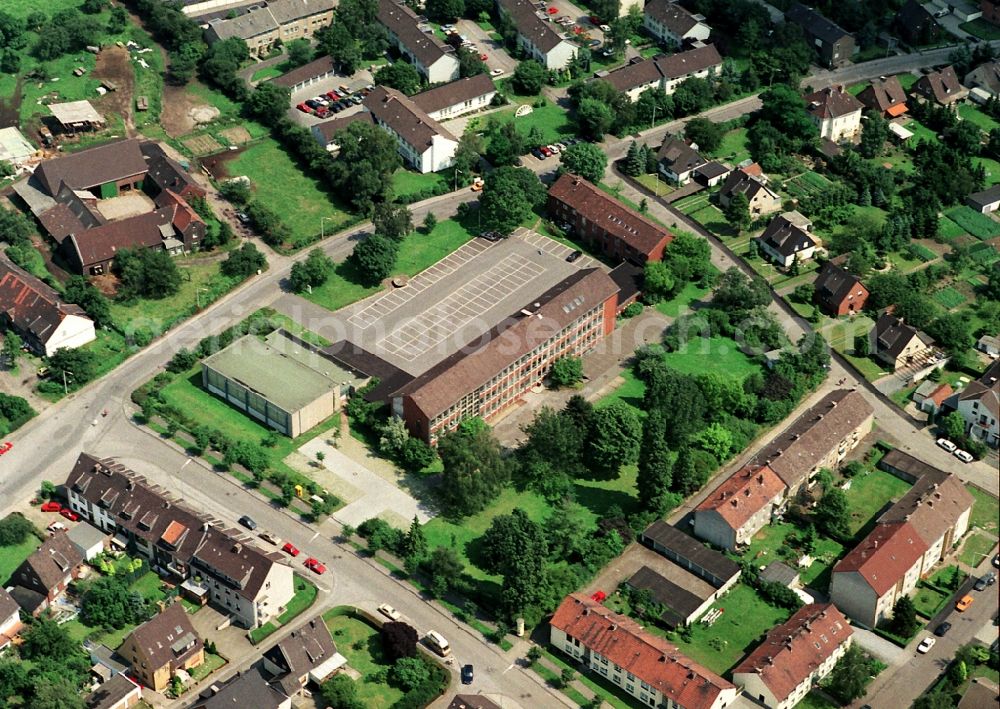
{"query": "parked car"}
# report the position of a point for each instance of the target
(947, 445)
(290, 549)
(595, 20)
(322, 112)
(553, 148)
(537, 152)
(996, 560)
(7, 445)
(69, 514)
(546, 151)
(333, 95)
(942, 629)
(477, 184)
(270, 538)
(963, 603)
(315, 565)
(56, 527)
(304, 108)
(963, 456)
(491, 235)
(389, 612)
(483, 57)
(594, 43)
(925, 645)
(51, 506)
(496, 72)
(312, 103)
(248, 522)
(436, 642)
(574, 256)
(605, 28)
(980, 584)
(467, 674)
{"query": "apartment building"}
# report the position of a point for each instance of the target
(671, 24)
(272, 23)
(740, 507)
(435, 60)
(538, 38)
(423, 143)
(666, 72)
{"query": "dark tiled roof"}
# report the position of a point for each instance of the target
(455, 92)
(110, 694)
(29, 304)
(406, 118)
(607, 213)
(742, 182)
(675, 66)
(467, 370)
(672, 16)
(524, 15)
(913, 17)
(472, 701)
(93, 167)
(167, 638)
(679, 156)
(713, 169)
(328, 129)
(301, 652)
(985, 75)
(317, 67)
(356, 358)
(786, 238)
(165, 172)
(8, 606)
(943, 86)
(628, 277)
(832, 103)
(52, 562)
(986, 197)
(815, 24)
(779, 572)
(402, 21)
(688, 547)
(884, 95)
(142, 231)
(933, 505)
(247, 690)
(834, 284)
(892, 335)
(679, 602)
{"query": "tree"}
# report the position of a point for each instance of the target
(904, 617)
(656, 463)
(15, 529)
(392, 220)
(46, 639)
(467, 155)
(400, 75)
(12, 344)
(337, 41)
(444, 11)
(849, 676)
(953, 426)
(586, 160)
(399, 640)
(408, 673)
(833, 514)
(364, 167)
(340, 692)
(269, 102)
(594, 118)
(430, 222)
(374, 258)
(474, 470)
(56, 693)
(737, 211)
(616, 435)
(737, 292)
(528, 78)
(715, 439)
(509, 197)
(108, 603)
(146, 273)
(83, 293)
(312, 272)
(77, 366)
(243, 262)
(415, 544)
(444, 570)
(10, 62)
(707, 134)
(874, 135)
(299, 52)
(515, 547)
(566, 372)
(415, 455)
(634, 164)
(938, 699)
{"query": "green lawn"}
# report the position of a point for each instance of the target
(201, 284)
(745, 618)
(869, 493)
(711, 218)
(920, 132)
(681, 302)
(992, 168)
(266, 73)
(553, 122)
(211, 664)
(12, 556)
(815, 701)
(360, 644)
(733, 148)
(976, 547)
(981, 28)
(971, 113)
(280, 184)
(305, 594)
(907, 80)
(417, 252)
(769, 545)
(928, 601)
(947, 229)
(407, 183)
(985, 511)
(714, 354)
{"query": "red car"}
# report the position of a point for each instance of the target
(599, 596)
(333, 95)
(51, 507)
(553, 10)
(290, 549)
(595, 20)
(314, 565)
(304, 108)
(6, 447)
(546, 151)
(483, 57)
(69, 514)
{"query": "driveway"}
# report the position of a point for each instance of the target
(890, 653)
(497, 57)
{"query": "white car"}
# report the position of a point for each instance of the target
(947, 445)
(496, 72)
(605, 28)
(389, 612)
(963, 456)
(925, 645)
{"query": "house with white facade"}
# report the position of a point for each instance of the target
(979, 405)
(435, 60)
(740, 507)
(538, 38)
(424, 144)
(787, 239)
(836, 113)
(671, 24)
(10, 619)
(666, 72)
(457, 98)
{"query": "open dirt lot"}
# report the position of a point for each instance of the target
(126, 205)
(202, 144)
(182, 111)
(113, 65)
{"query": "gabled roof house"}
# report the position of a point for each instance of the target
(162, 646)
(885, 96)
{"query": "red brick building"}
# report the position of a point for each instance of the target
(570, 318)
(605, 223)
(838, 292)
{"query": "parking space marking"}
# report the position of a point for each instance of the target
(555, 248)
(419, 334)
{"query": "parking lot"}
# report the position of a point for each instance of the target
(457, 300)
(360, 79)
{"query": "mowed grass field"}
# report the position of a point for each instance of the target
(12, 556)
(280, 184)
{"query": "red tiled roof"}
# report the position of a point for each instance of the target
(885, 555)
(792, 651)
(29, 304)
(650, 658)
(932, 506)
(745, 492)
(607, 213)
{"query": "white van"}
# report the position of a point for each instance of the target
(437, 643)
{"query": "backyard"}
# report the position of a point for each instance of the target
(869, 493)
(769, 545)
(12, 556)
(305, 595)
(359, 642)
(985, 511)
(976, 548)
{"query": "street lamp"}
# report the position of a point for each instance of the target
(457, 173)
(322, 222)
(65, 386)
(197, 297)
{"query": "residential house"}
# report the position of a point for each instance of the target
(305, 655)
(794, 656)
(916, 25)
(836, 113)
(37, 313)
(980, 694)
(979, 405)
(538, 38)
(473, 93)
(671, 24)
(990, 10)
(989, 345)
(249, 688)
(272, 23)
(834, 45)
(740, 507)
(243, 581)
(491, 374)
(838, 292)
(423, 143)
(307, 74)
(885, 566)
(787, 239)
(941, 87)
(761, 198)
(434, 59)
(10, 619)
(45, 575)
(985, 77)
(646, 666)
(119, 692)
(821, 437)
(678, 160)
(602, 221)
(930, 396)
(885, 96)
(897, 344)
(665, 73)
(986, 201)
(162, 646)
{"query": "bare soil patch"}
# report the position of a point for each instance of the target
(129, 204)
(216, 164)
(237, 135)
(182, 111)
(114, 65)
(202, 144)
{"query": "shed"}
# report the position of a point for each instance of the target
(900, 132)
(780, 572)
(14, 147)
(989, 344)
(75, 116)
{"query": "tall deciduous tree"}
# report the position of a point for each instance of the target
(707, 134)
(833, 514)
(400, 75)
(509, 197)
(617, 433)
(392, 220)
(528, 78)
(475, 470)
(656, 464)
(516, 548)
(586, 160)
(374, 258)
